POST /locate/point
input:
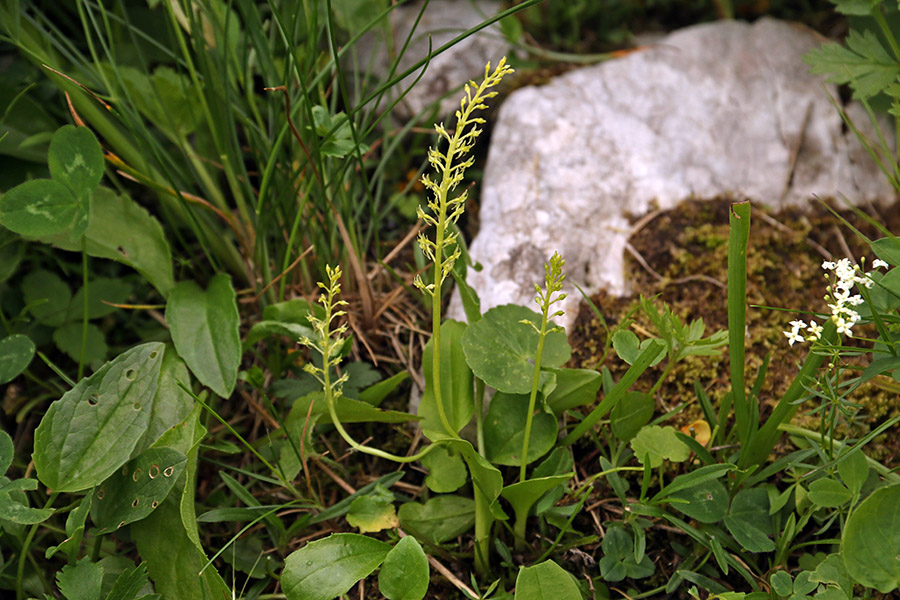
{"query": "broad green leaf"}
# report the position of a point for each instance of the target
(888, 250)
(376, 393)
(558, 462)
(829, 493)
(348, 411)
(404, 574)
(14, 503)
(659, 443)
(707, 502)
(43, 207)
(630, 414)
(76, 159)
(871, 541)
(864, 64)
(523, 494)
(486, 478)
(446, 470)
(168, 540)
(204, 327)
(504, 429)
(328, 568)
(574, 387)
(832, 572)
(749, 521)
(853, 469)
(457, 391)
(171, 405)
(782, 584)
(90, 432)
(693, 479)
(16, 352)
(500, 349)
(373, 512)
(137, 489)
(48, 297)
(441, 518)
(102, 291)
(80, 581)
(121, 230)
(546, 581)
(68, 339)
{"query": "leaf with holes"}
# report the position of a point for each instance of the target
(90, 432)
(76, 159)
(134, 491)
(205, 331)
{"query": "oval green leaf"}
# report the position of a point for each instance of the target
(328, 568)
(871, 541)
(43, 207)
(504, 429)
(707, 502)
(500, 349)
(90, 432)
(16, 352)
(829, 493)
(546, 581)
(632, 412)
(137, 489)
(76, 159)
(404, 574)
(440, 519)
(204, 327)
(749, 520)
(47, 297)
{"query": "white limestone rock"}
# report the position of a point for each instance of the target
(721, 109)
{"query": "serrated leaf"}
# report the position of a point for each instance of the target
(137, 489)
(404, 574)
(76, 159)
(659, 443)
(81, 581)
(327, 568)
(42, 207)
(90, 432)
(501, 350)
(546, 581)
(441, 518)
(504, 430)
(864, 64)
(16, 352)
(121, 230)
(205, 330)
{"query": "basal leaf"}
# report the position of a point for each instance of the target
(137, 489)
(457, 391)
(504, 430)
(328, 568)
(404, 574)
(16, 352)
(204, 327)
(871, 541)
(707, 502)
(43, 207)
(500, 349)
(523, 494)
(631, 413)
(121, 230)
(574, 387)
(441, 518)
(76, 159)
(90, 432)
(749, 521)
(546, 581)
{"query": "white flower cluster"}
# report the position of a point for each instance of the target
(843, 275)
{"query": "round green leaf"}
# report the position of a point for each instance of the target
(16, 352)
(629, 414)
(829, 493)
(501, 350)
(546, 581)
(504, 430)
(43, 207)
(204, 327)
(47, 296)
(659, 443)
(440, 519)
(871, 542)
(404, 573)
(328, 568)
(446, 470)
(76, 159)
(707, 502)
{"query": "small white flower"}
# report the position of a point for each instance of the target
(828, 265)
(815, 331)
(855, 300)
(793, 336)
(798, 325)
(878, 263)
